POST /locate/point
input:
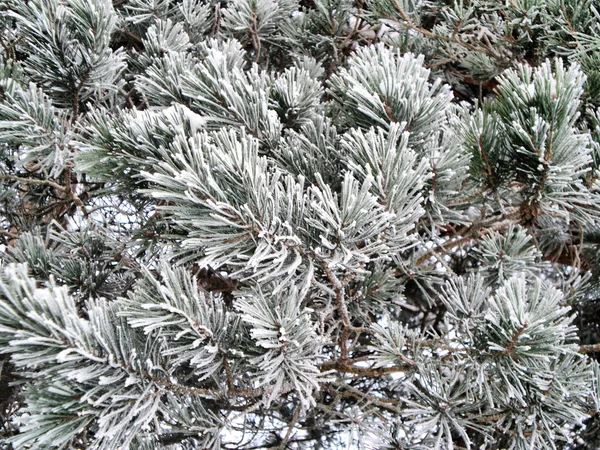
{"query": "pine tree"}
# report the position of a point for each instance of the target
(299, 224)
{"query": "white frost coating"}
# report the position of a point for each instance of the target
(197, 122)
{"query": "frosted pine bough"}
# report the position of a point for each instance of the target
(265, 224)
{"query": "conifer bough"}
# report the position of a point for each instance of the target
(249, 224)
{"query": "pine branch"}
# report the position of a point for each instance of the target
(409, 23)
(305, 223)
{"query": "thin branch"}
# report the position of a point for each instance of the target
(8, 234)
(291, 426)
(589, 348)
(510, 350)
(67, 190)
(340, 296)
(34, 181)
(384, 403)
(475, 231)
(341, 365)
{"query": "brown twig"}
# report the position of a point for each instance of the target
(510, 350)
(475, 231)
(385, 403)
(291, 426)
(589, 348)
(34, 181)
(343, 366)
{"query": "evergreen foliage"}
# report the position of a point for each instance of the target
(317, 224)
